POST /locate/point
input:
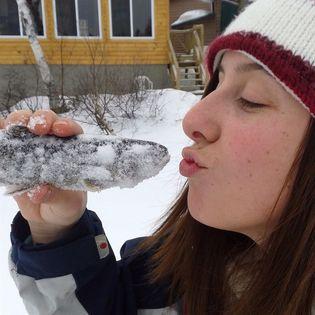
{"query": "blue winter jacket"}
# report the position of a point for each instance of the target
(80, 275)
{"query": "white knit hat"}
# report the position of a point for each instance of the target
(280, 36)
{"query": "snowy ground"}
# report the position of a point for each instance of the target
(125, 213)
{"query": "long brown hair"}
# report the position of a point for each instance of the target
(201, 262)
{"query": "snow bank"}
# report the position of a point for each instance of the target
(125, 213)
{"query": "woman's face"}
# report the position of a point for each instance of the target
(246, 150)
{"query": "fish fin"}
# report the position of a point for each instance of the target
(92, 185)
(16, 190)
(17, 131)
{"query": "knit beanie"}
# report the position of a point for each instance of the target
(280, 36)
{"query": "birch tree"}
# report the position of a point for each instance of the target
(27, 8)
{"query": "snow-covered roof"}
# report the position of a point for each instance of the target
(192, 15)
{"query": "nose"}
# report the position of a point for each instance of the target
(201, 123)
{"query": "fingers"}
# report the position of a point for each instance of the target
(38, 195)
(50, 204)
(44, 122)
(2, 121)
(65, 127)
(20, 118)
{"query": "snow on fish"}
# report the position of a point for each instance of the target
(84, 162)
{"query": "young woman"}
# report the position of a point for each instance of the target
(240, 238)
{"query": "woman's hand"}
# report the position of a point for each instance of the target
(50, 211)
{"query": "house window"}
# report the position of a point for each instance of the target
(77, 18)
(132, 18)
(10, 21)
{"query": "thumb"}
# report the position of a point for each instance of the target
(39, 194)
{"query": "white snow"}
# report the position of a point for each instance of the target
(144, 83)
(139, 149)
(125, 213)
(32, 192)
(191, 15)
(37, 120)
(107, 153)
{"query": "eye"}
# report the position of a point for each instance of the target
(249, 104)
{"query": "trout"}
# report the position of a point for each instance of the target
(83, 162)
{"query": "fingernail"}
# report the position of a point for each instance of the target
(60, 125)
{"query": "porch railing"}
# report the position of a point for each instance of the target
(199, 53)
(191, 45)
(174, 66)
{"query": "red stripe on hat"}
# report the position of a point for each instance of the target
(297, 74)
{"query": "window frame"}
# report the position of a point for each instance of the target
(21, 36)
(77, 23)
(132, 37)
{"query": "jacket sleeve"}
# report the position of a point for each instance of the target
(79, 274)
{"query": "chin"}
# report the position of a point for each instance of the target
(202, 216)
(195, 206)
(201, 213)
(195, 209)
(197, 215)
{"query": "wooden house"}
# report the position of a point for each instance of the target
(194, 24)
(127, 36)
(186, 13)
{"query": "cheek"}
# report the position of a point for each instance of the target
(259, 161)
(248, 170)
(258, 152)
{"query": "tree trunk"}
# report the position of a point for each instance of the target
(26, 10)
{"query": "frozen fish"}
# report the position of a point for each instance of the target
(84, 162)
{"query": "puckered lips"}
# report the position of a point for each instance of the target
(191, 163)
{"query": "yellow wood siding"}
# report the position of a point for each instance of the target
(105, 50)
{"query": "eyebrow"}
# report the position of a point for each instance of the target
(245, 67)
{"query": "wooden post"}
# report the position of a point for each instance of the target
(217, 7)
